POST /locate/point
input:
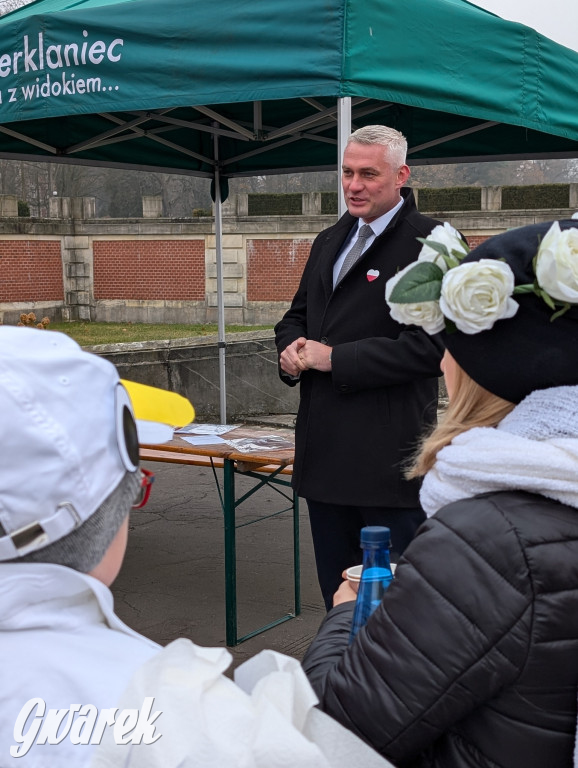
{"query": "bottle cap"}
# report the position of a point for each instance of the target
(375, 536)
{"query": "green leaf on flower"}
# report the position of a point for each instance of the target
(527, 288)
(453, 262)
(560, 312)
(434, 245)
(546, 297)
(465, 246)
(460, 255)
(422, 283)
(451, 327)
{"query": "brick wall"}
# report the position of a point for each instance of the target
(475, 240)
(151, 270)
(172, 270)
(31, 270)
(274, 268)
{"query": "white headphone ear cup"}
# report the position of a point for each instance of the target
(153, 432)
(126, 431)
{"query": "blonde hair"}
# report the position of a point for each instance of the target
(394, 142)
(470, 406)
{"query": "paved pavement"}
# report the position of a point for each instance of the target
(172, 581)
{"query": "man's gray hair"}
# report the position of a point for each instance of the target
(394, 142)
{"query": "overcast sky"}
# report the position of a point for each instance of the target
(557, 19)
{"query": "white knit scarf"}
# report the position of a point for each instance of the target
(535, 448)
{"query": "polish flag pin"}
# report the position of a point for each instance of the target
(372, 274)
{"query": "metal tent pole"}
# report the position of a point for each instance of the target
(220, 292)
(343, 131)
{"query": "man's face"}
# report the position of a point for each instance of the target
(370, 184)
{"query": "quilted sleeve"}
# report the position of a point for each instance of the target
(452, 630)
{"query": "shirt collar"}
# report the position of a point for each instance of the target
(379, 224)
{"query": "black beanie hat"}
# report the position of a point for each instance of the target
(530, 350)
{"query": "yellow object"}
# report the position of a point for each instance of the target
(152, 404)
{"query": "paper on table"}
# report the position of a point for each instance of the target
(203, 439)
(265, 443)
(205, 429)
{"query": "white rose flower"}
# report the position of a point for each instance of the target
(426, 314)
(557, 264)
(446, 235)
(477, 294)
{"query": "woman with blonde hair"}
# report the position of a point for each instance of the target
(472, 657)
(469, 406)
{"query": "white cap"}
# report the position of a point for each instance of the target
(67, 437)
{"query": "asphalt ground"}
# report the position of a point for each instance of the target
(172, 583)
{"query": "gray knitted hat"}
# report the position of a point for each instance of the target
(84, 548)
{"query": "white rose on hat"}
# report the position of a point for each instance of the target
(426, 314)
(446, 236)
(557, 264)
(477, 294)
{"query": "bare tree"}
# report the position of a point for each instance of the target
(11, 5)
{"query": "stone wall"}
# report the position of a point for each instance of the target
(152, 269)
(191, 368)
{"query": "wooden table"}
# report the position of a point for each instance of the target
(269, 468)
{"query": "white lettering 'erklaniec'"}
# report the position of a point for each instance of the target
(82, 724)
(36, 55)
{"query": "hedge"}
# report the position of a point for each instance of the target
(535, 196)
(23, 208)
(528, 197)
(328, 203)
(275, 204)
(450, 199)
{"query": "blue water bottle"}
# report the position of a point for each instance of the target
(376, 575)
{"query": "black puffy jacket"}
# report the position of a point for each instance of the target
(472, 657)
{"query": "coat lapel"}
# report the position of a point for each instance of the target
(330, 247)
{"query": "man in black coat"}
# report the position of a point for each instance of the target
(368, 384)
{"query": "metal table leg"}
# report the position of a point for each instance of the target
(229, 504)
(296, 556)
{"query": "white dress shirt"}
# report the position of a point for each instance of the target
(377, 226)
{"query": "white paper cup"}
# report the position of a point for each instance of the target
(354, 573)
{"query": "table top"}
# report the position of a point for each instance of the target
(279, 456)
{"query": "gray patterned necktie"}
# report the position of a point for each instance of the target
(354, 254)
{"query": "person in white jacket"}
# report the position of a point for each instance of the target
(77, 686)
(69, 476)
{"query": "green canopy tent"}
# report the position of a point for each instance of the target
(233, 88)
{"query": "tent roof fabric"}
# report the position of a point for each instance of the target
(151, 89)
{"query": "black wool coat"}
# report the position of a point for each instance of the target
(359, 423)
(471, 660)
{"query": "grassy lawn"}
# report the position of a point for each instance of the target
(87, 334)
